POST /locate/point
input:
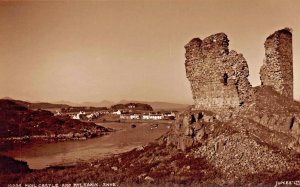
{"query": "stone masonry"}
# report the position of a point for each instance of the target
(218, 77)
(219, 83)
(277, 69)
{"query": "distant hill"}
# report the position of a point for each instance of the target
(8, 98)
(156, 105)
(159, 105)
(82, 108)
(132, 106)
(66, 103)
(37, 105)
(104, 103)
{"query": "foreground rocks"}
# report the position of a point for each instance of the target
(259, 141)
(154, 164)
(161, 164)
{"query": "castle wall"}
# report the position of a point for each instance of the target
(277, 69)
(218, 77)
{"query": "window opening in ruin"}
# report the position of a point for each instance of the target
(193, 133)
(193, 119)
(200, 115)
(292, 123)
(225, 77)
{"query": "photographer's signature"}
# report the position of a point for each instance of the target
(287, 183)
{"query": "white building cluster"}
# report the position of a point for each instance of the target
(146, 116)
(130, 115)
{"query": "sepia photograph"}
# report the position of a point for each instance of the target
(149, 93)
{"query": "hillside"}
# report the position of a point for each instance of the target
(37, 105)
(225, 157)
(86, 109)
(204, 148)
(18, 122)
(156, 105)
(159, 105)
(103, 103)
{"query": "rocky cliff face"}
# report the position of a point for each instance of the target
(218, 77)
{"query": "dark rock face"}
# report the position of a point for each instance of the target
(10, 165)
(277, 69)
(192, 127)
(218, 77)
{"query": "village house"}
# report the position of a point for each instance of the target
(92, 115)
(152, 116)
(131, 106)
(129, 116)
(104, 112)
(118, 112)
(125, 116)
(134, 116)
(78, 115)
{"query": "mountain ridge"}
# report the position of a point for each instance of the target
(157, 105)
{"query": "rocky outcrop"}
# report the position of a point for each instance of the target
(195, 127)
(218, 77)
(277, 69)
(191, 127)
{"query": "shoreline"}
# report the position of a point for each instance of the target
(9, 143)
(100, 146)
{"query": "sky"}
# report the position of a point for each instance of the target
(112, 50)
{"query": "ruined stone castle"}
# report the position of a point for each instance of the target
(224, 98)
(219, 77)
